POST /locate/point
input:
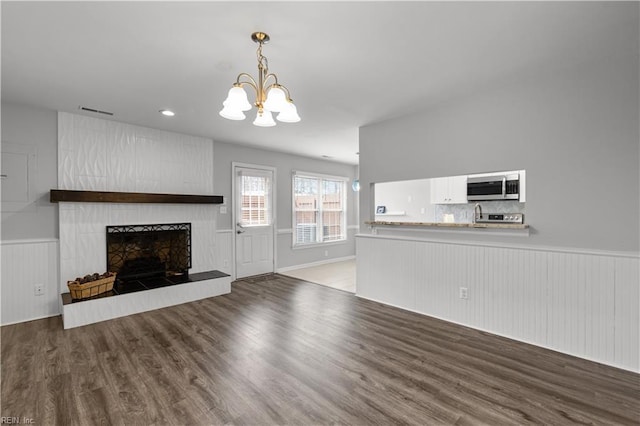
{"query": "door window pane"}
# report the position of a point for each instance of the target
(255, 209)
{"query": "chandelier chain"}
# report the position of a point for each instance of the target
(263, 63)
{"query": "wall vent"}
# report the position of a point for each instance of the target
(97, 111)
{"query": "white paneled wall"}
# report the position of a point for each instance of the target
(102, 155)
(627, 312)
(583, 304)
(26, 263)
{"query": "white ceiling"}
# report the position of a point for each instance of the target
(347, 64)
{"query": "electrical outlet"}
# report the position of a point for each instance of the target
(225, 262)
(326, 253)
(38, 289)
(464, 293)
(223, 209)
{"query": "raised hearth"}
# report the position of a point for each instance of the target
(143, 297)
(147, 284)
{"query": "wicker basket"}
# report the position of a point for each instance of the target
(91, 288)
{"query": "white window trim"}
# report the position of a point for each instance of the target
(345, 181)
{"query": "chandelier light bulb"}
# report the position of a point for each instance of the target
(276, 100)
(232, 114)
(264, 119)
(237, 99)
(289, 114)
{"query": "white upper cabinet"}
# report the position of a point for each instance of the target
(449, 190)
(439, 190)
(458, 189)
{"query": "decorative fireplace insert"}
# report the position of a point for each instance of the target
(145, 251)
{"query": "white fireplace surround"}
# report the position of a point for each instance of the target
(102, 155)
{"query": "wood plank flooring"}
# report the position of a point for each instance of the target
(277, 350)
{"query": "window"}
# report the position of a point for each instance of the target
(255, 209)
(319, 209)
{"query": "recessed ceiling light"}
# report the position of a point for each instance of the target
(167, 112)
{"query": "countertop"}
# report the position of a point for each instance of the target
(451, 225)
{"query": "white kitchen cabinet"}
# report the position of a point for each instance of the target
(439, 190)
(449, 190)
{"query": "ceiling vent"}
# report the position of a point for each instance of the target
(97, 111)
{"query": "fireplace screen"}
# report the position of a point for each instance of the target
(142, 251)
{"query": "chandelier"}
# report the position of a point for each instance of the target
(270, 95)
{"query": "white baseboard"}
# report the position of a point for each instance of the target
(31, 319)
(318, 263)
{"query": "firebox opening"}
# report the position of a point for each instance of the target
(145, 251)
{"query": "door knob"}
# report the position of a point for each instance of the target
(239, 231)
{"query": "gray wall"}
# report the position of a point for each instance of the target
(22, 125)
(225, 154)
(575, 132)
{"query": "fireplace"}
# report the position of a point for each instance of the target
(152, 263)
(143, 252)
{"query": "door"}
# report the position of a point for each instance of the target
(253, 219)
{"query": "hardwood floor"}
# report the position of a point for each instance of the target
(280, 351)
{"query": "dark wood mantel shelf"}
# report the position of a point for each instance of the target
(64, 195)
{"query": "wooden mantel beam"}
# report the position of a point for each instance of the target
(74, 196)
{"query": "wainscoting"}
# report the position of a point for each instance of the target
(581, 303)
(25, 264)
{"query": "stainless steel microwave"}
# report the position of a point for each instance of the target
(497, 187)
